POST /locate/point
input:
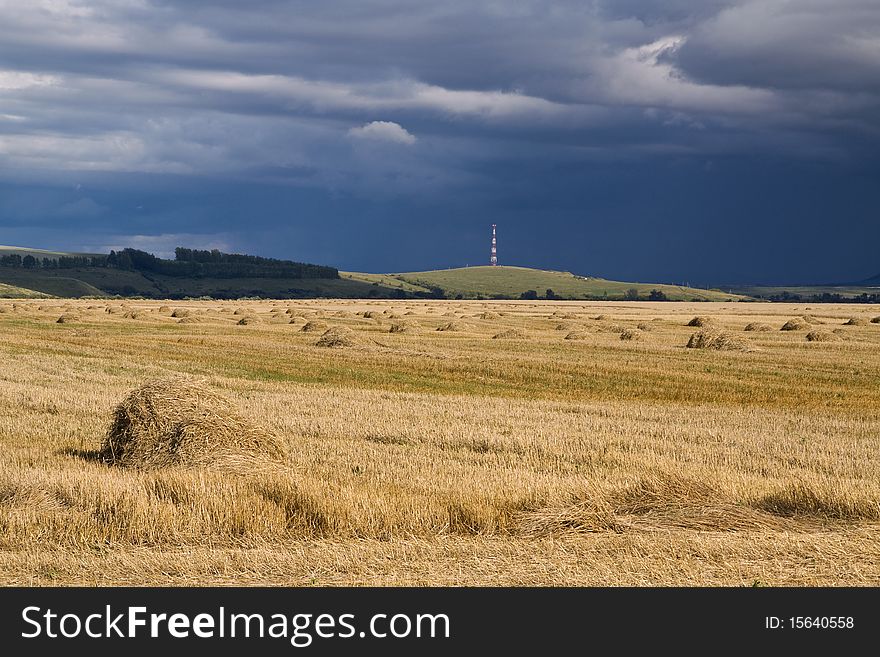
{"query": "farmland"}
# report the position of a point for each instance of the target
(477, 443)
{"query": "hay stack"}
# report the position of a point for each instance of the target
(510, 334)
(562, 327)
(67, 318)
(718, 340)
(189, 320)
(629, 334)
(856, 321)
(338, 337)
(757, 326)
(313, 326)
(642, 326)
(577, 335)
(180, 313)
(822, 336)
(796, 324)
(489, 315)
(164, 309)
(700, 321)
(181, 422)
(876, 320)
(248, 319)
(451, 326)
(403, 327)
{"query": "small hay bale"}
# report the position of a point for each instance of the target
(875, 320)
(239, 312)
(757, 326)
(180, 313)
(562, 327)
(642, 326)
(181, 422)
(795, 324)
(371, 314)
(132, 314)
(629, 334)
(313, 326)
(822, 336)
(337, 337)
(248, 319)
(67, 318)
(717, 340)
(577, 335)
(600, 318)
(510, 334)
(164, 309)
(450, 326)
(856, 321)
(403, 327)
(700, 321)
(189, 320)
(489, 315)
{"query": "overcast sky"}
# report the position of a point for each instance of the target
(708, 142)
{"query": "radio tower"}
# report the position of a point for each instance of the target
(493, 260)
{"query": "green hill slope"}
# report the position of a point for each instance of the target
(37, 253)
(511, 282)
(14, 292)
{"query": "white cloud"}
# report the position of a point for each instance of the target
(384, 131)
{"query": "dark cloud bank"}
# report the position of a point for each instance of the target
(675, 141)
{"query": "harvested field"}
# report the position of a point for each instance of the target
(437, 457)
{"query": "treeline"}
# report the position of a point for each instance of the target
(188, 263)
(825, 297)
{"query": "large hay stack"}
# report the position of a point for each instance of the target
(717, 340)
(181, 422)
(338, 337)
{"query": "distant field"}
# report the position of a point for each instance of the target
(99, 281)
(451, 443)
(472, 282)
(38, 253)
(806, 291)
(13, 292)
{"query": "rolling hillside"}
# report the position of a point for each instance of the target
(511, 282)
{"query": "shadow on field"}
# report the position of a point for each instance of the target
(92, 455)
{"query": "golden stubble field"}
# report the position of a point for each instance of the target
(528, 443)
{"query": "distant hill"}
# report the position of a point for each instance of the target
(13, 292)
(512, 282)
(131, 273)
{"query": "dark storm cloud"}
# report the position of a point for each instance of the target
(413, 114)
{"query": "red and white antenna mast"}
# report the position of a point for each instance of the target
(493, 260)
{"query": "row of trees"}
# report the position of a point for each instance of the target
(62, 262)
(632, 294)
(188, 263)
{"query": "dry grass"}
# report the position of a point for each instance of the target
(442, 458)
